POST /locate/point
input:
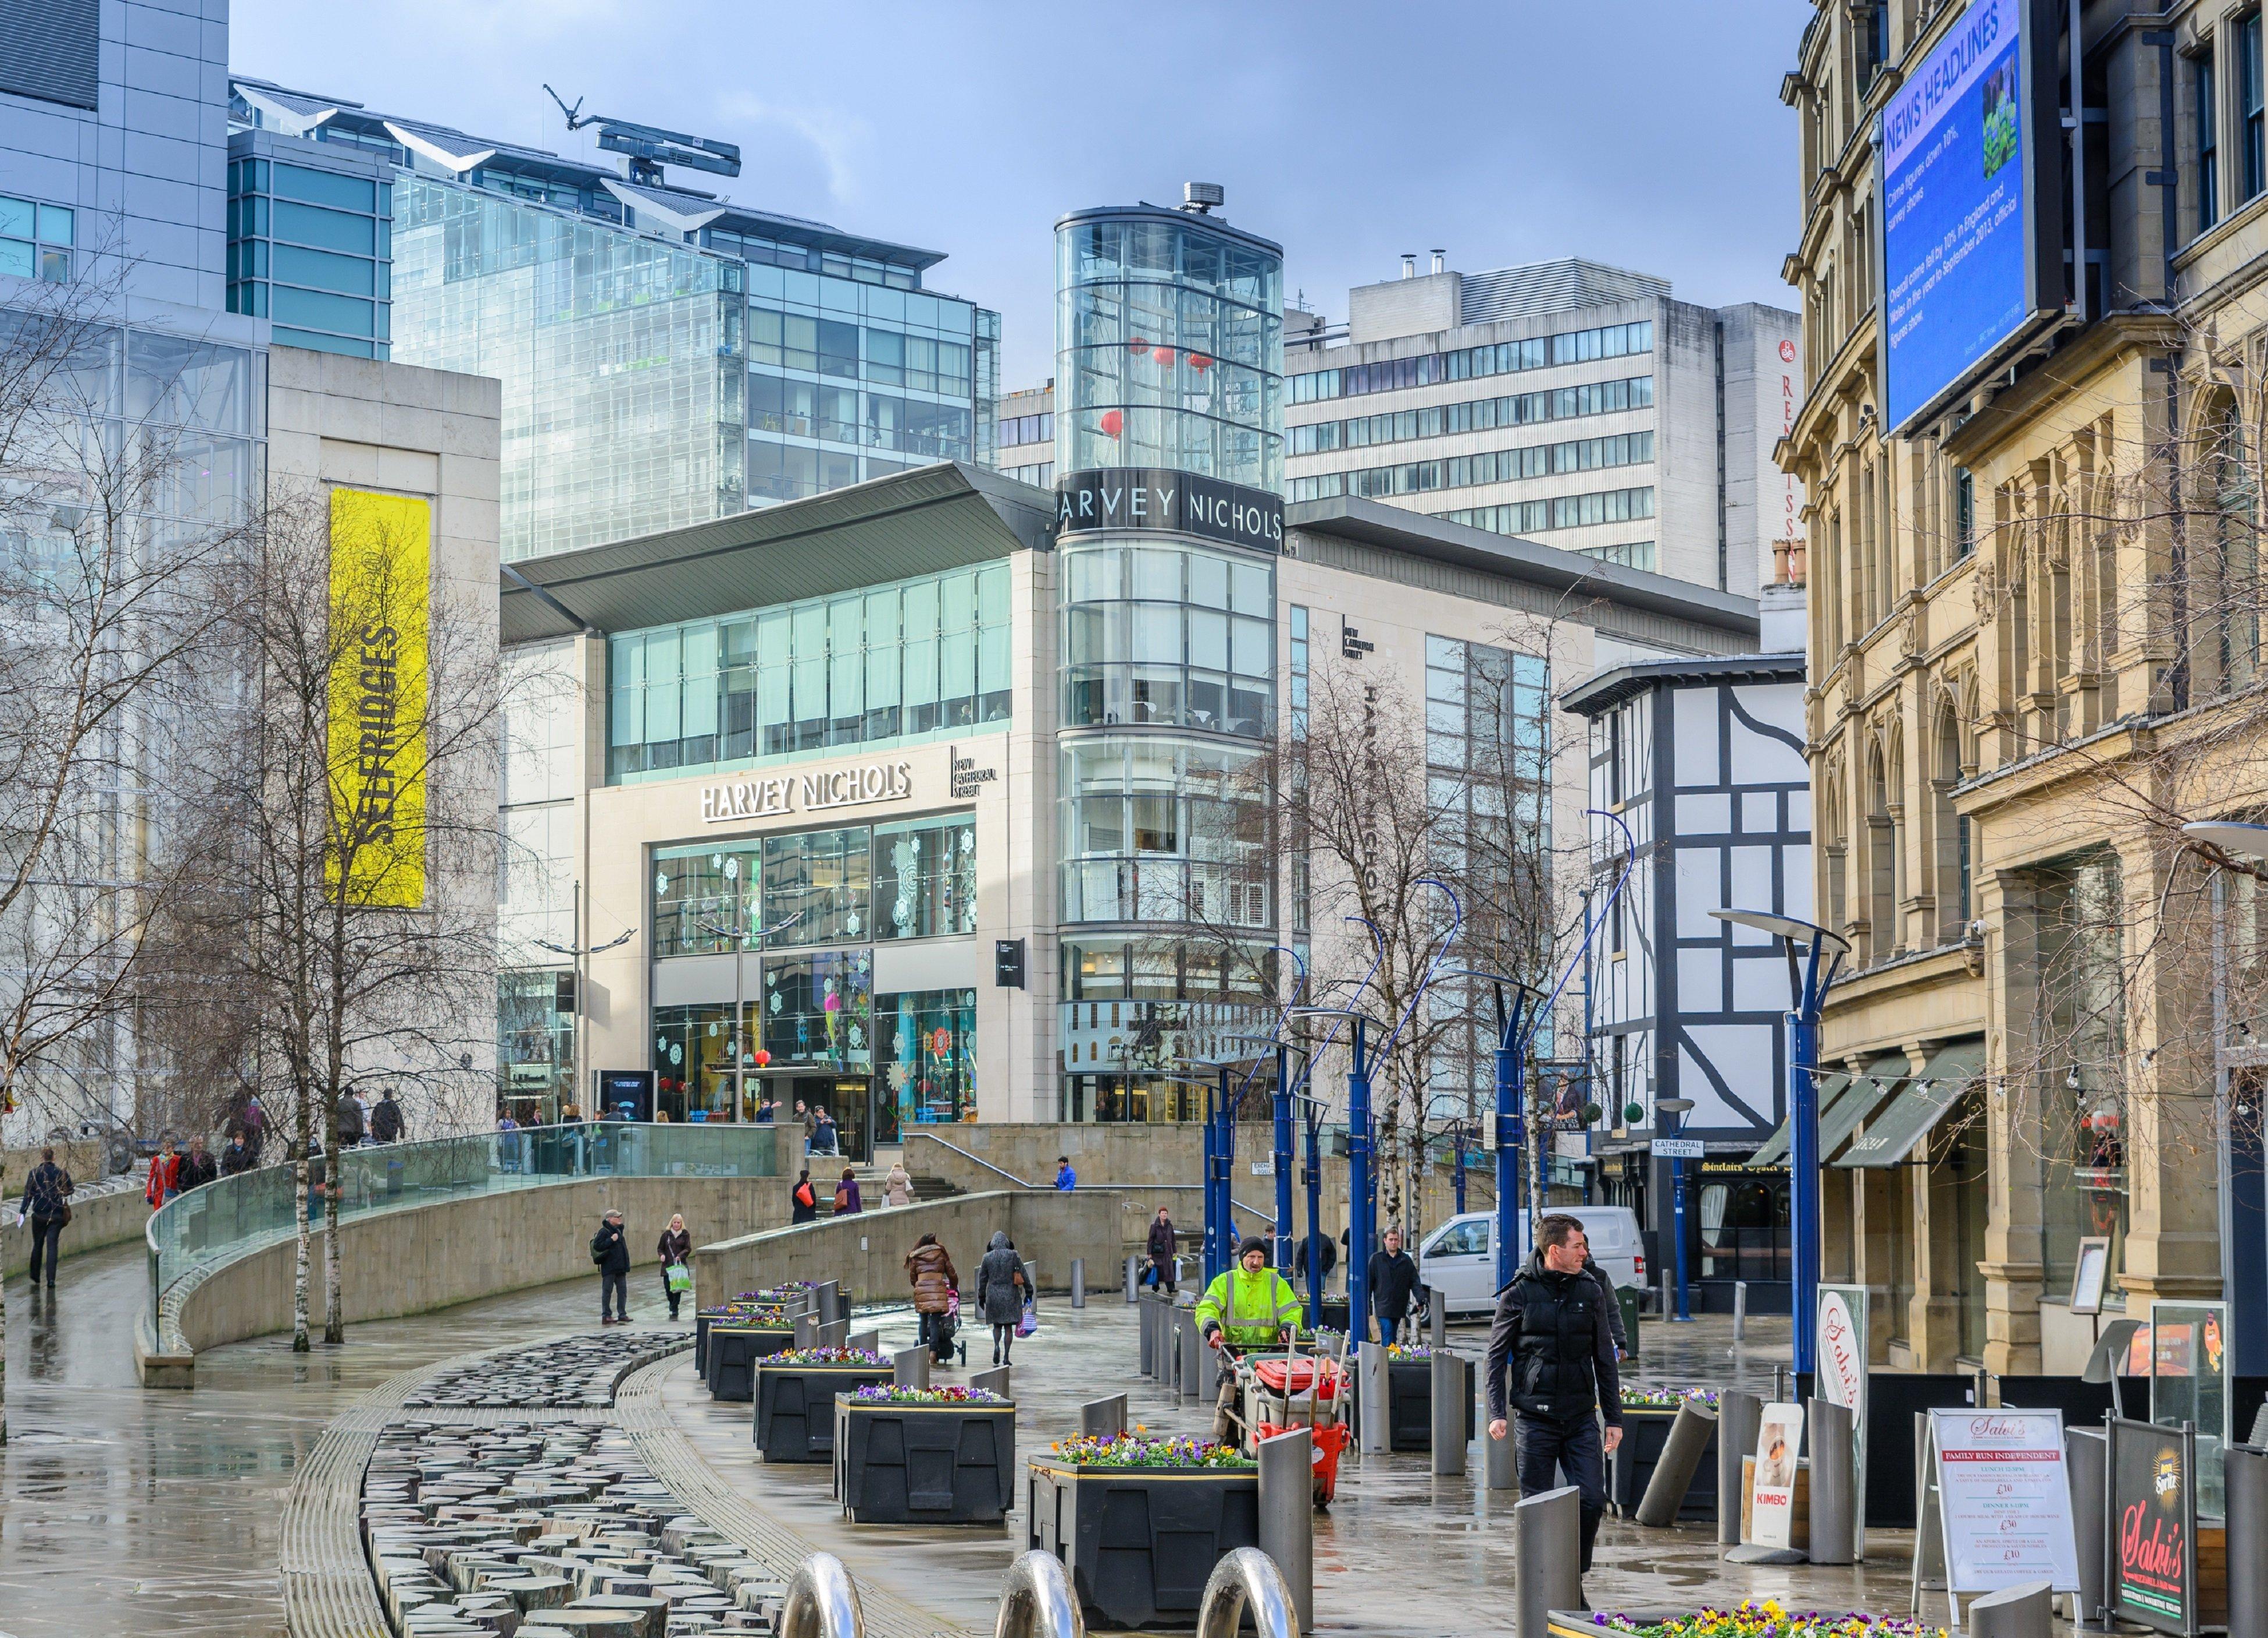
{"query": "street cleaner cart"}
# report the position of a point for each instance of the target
(1284, 1392)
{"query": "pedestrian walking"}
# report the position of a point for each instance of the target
(1165, 1263)
(1313, 1244)
(1066, 1180)
(804, 1206)
(197, 1168)
(1614, 1307)
(937, 1285)
(676, 1248)
(46, 1206)
(255, 1126)
(385, 1120)
(847, 1203)
(1000, 1292)
(350, 1126)
(1393, 1287)
(165, 1179)
(237, 1156)
(610, 1250)
(1551, 1329)
(1249, 1306)
(898, 1187)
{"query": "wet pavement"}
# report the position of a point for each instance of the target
(128, 1511)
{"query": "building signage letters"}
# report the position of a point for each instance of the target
(1152, 499)
(765, 796)
(967, 778)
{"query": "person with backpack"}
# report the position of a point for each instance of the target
(936, 1283)
(610, 1251)
(847, 1200)
(804, 1207)
(677, 1251)
(46, 1205)
(1000, 1293)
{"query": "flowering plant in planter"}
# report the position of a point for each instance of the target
(1136, 1449)
(1408, 1353)
(890, 1394)
(1768, 1619)
(1666, 1398)
(826, 1356)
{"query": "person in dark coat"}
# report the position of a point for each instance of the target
(1614, 1308)
(198, 1167)
(1551, 1329)
(350, 1126)
(1161, 1247)
(675, 1249)
(47, 1204)
(804, 1207)
(237, 1157)
(1330, 1252)
(1000, 1295)
(610, 1250)
(386, 1119)
(1394, 1286)
(929, 1267)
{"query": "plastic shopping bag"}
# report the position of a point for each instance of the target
(1030, 1321)
(678, 1277)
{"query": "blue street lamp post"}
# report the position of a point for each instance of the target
(1809, 978)
(1457, 1175)
(1224, 1172)
(1673, 1110)
(1359, 1187)
(1283, 1158)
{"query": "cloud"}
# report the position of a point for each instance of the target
(840, 140)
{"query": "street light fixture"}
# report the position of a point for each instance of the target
(581, 952)
(1809, 982)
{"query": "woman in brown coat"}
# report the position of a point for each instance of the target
(936, 1283)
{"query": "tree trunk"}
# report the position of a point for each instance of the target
(335, 1326)
(4, 1329)
(299, 1266)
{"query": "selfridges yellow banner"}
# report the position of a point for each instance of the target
(381, 606)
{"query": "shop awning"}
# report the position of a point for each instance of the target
(1913, 1114)
(1774, 1153)
(1869, 1093)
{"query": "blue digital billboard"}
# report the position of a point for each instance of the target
(1960, 208)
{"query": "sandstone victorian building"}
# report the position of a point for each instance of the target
(2035, 655)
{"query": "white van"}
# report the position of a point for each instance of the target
(1458, 1259)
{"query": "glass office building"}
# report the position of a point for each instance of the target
(667, 356)
(1169, 360)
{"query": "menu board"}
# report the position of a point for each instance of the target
(2154, 1526)
(2004, 1500)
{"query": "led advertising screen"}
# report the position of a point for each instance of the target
(1963, 206)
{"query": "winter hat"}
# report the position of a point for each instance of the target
(1252, 1243)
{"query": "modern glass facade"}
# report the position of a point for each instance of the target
(1169, 355)
(888, 664)
(1169, 346)
(915, 879)
(36, 240)
(310, 244)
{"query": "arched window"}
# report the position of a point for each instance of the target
(1881, 860)
(1951, 839)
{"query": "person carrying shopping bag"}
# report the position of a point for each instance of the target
(1000, 1295)
(929, 1267)
(677, 1251)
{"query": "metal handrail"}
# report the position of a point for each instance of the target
(1036, 1601)
(979, 1160)
(821, 1601)
(1247, 1578)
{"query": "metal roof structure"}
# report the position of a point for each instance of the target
(1603, 691)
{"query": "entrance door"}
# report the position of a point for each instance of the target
(848, 1098)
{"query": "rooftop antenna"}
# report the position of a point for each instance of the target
(650, 147)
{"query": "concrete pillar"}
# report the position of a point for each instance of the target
(1681, 1459)
(993, 1381)
(1547, 1556)
(1287, 1516)
(909, 1367)
(1133, 1276)
(1452, 1401)
(1147, 1323)
(2013, 1266)
(1078, 1282)
(1371, 1399)
(1196, 1379)
(1499, 1460)
(836, 1334)
(1834, 1482)
(869, 1341)
(2025, 1612)
(1103, 1418)
(1740, 1418)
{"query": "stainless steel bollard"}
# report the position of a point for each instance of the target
(1501, 1457)
(1145, 1322)
(1740, 1418)
(1371, 1404)
(1740, 1311)
(2025, 1612)
(1547, 1557)
(807, 1330)
(1036, 1600)
(1680, 1460)
(2246, 1471)
(836, 1334)
(1437, 1318)
(1452, 1403)
(823, 1602)
(2087, 1459)
(1103, 1418)
(1195, 1379)
(1287, 1516)
(910, 1366)
(1133, 1276)
(1834, 1482)
(868, 1341)
(1078, 1282)
(993, 1381)
(830, 1301)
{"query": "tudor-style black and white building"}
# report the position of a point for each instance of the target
(1703, 760)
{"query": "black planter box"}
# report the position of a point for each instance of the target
(733, 1351)
(1140, 1543)
(795, 1406)
(925, 1464)
(1410, 1406)
(1629, 1470)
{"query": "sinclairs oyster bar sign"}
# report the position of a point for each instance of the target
(1154, 499)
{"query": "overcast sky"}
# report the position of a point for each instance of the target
(1647, 133)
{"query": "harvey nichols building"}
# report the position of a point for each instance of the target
(907, 798)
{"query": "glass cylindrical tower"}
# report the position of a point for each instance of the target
(1169, 444)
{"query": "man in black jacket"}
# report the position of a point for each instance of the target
(1551, 1326)
(386, 1119)
(610, 1250)
(237, 1156)
(1393, 1287)
(47, 1206)
(1161, 1248)
(198, 1167)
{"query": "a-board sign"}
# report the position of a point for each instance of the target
(2152, 1526)
(1842, 1380)
(1772, 1494)
(2004, 1499)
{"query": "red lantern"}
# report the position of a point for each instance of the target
(1137, 347)
(760, 1058)
(1111, 422)
(1164, 356)
(1200, 363)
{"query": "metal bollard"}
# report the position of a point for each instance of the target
(910, 1366)
(2025, 1612)
(836, 1334)
(1834, 1482)
(1078, 1282)
(1133, 1277)
(830, 1301)
(2087, 1459)
(1452, 1403)
(822, 1602)
(1437, 1319)
(1287, 1516)
(1147, 1323)
(1036, 1600)
(1103, 1418)
(1547, 1557)
(1194, 1376)
(1370, 1402)
(866, 1341)
(1245, 1577)
(993, 1381)
(1500, 1459)
(2246, 1472)
(1674, 1471)
(807, 1330)
(1740, 1311)
(1740, 1418)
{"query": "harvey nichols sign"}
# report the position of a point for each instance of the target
(1150, 499)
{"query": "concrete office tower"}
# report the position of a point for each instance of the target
(1578, 404)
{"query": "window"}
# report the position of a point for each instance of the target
(925, 878)
(819, 1009)
(815, 886)
(2208, 140)
(928, 1042)
(36, 240)
(1039, 476)
(1028, 429)
(1629, 554)
(1533, 517)
(1499, 465)
(1166, 636)
(1475, 415)
(1612, 341)
(1965, 513)
(312, 250)
(2248, 105)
